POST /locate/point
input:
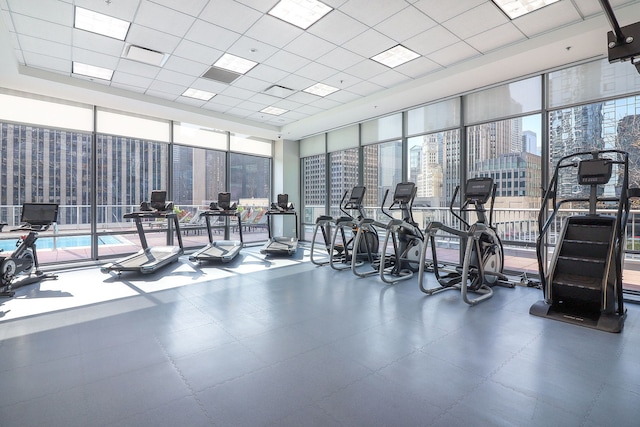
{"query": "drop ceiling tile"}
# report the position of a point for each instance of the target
(238, 93)
(366, 69)
(547, 18)
(36, 45)
(152, 39)
(94, 58)
(454, 53)
(325, 104)
(474, 21)
(8, 22)
(92, 80)
(197, 52)
(418, 67)
(372, 12)
(137, 68)
(240, 112)
(588, 7)
(261, 5)
(342, 81)
(55, 12)
(369, 43)
(190, 101)
(118, 9)
(405, 24)
(225, 100)
(296, 82)
(308, 110)
(175, 77)
(441, 11)
(38, 60)
(287, 104)
(315, 71)
(303, 98)
(431, 40)
(131, 80)
(273, 31)
(185, 66)
(252, 49)
(337, 28)
(230, 15)
(212, 106)
(340, 59)
(190, 7)
(251, 106)
(365, 88)
(91, 41)
(166, 87)
(209, 85)
(163, 19)
(503, 35)
(309, 46)
(343, 96)
(19, 56)
(128, 88)
(250, 84)
(205, 33)
(262, 98)
(389, 79)
(42, 29)
(287, 61)
(160, 94)
(267, 73)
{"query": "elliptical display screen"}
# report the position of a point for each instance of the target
(479, 189)
(39, 213)
(357, 195)
(594, 171)
(404, 192)
(224, 201)
(158, 199)
(283, 201)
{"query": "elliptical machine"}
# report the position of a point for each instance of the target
(483, 256)
(405, 234)
(35, 218)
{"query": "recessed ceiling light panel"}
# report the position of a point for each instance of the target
(99, 23)
(395, 56)
(235, 63)
(198, 94)
(91, 71)
(320, 89)
(274, 111)
(516, 8)
(301, 13)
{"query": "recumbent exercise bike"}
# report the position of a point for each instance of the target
(483, 259)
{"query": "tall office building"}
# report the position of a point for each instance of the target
(530, 142)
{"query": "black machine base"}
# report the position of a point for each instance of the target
(608, 322)
(9, 291)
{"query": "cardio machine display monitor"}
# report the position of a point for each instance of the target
(158, 199)
(479, 189)
(594, 171)
(39, 214)
(224, 201)
(283, 201)
(357, 195)
(404, 192)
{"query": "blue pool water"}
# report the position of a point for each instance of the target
(62, 242)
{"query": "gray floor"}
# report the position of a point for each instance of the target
(269, 342)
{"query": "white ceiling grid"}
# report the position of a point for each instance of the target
(335, 51)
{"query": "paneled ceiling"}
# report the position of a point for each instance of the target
(450, 35)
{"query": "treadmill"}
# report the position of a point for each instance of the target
(149, 259)
(220, 250)
(281, 245)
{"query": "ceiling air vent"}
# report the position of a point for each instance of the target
(279, 91)
(147, 56)
(220, 75)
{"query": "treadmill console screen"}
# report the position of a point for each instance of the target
(479, 189)
(283, 201)
(404, 192)
(594, 171)
(158, 199)
(224, 201)
(39, 214)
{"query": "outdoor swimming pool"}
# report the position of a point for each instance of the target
(62, 242)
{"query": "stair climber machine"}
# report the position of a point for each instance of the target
(346, 229)
(220, 250)
(149, 259)
(582, 282)
(35, 218)
(281, 245)
(405, 234)
(483, 258)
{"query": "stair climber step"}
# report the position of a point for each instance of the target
(589, 232)
(582, 249)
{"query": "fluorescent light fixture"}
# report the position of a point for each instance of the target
(198, 94)
(395, 56)
(275, 111)
(234, 63)
(516, 8)
(95, 22)
(92, 71)
(320, 89)
(301, 13)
